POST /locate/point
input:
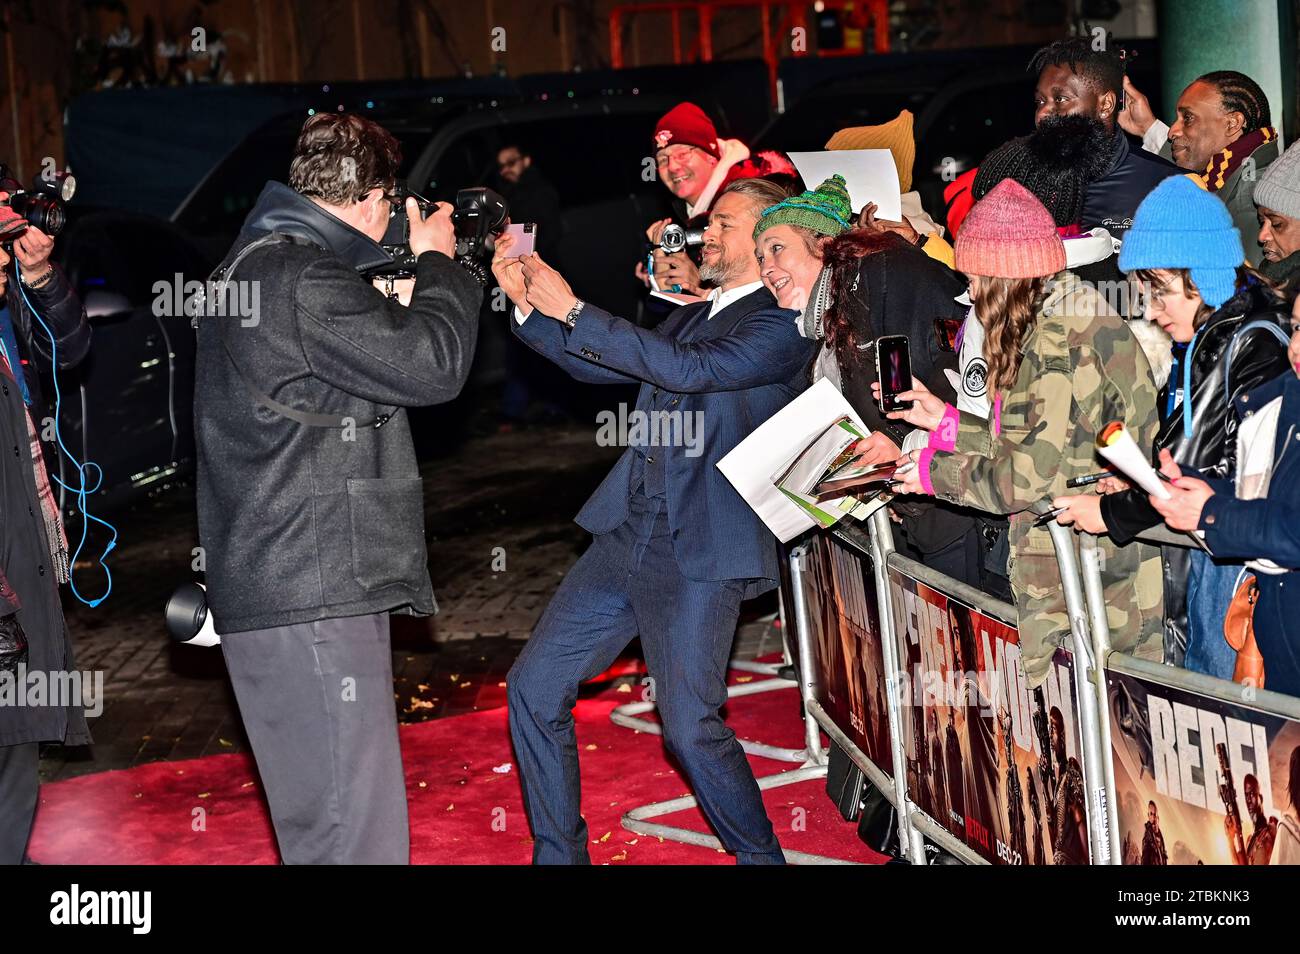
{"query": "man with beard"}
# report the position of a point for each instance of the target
(676, 548)
(1153, 839)
(1078, 95)
(1277, 201)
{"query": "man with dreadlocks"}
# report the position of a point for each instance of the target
(1076, 110)
(1223, 135)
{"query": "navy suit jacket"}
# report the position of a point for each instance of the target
(737, 368)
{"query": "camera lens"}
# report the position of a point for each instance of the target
(186, 612)
(673, 238)
(41, 212)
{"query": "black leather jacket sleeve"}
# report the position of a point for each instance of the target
(61, 312)
(1258, 357)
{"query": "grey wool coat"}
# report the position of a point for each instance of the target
(297, 522)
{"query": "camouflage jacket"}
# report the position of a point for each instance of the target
(1082, 369)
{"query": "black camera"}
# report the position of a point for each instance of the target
(43, 205)
(477, 218)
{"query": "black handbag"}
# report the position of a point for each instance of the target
(13, 644)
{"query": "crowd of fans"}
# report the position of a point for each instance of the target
(1106, 267)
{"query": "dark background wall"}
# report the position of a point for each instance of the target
(55, 50)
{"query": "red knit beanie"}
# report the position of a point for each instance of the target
(1009, 234)
(687, 123)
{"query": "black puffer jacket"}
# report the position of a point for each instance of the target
(1211, 448)
(298, 522)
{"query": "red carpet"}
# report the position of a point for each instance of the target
(462, 810)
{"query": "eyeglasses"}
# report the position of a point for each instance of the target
(679, 152)
(1156, 294)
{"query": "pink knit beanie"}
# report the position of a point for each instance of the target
(1009, 234)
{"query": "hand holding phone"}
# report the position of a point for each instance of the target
(525, 236)
(893, 371)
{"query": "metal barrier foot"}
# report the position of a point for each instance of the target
(627, 716)
(636, 820)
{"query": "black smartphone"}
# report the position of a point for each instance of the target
(893, 371)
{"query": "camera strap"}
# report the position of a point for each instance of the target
(218, 280)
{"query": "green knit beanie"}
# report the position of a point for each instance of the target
(826, 210)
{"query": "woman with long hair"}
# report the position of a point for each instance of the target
(1062, 365)
(1226, 323)
(853, 286)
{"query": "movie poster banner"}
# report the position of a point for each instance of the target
(966, 704)
(844, 618)
(1200, 781)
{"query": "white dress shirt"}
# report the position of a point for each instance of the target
(721, 299)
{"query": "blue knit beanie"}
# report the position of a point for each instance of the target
(1180, 225)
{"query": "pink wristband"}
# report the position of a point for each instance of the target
(944, 437)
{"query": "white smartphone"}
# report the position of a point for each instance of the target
(525, 234)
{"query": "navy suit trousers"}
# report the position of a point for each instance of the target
(628, 583)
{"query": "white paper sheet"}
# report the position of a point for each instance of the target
(772, 448)
(1124, 453)
(869, 174)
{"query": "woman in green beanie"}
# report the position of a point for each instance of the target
(853, 286)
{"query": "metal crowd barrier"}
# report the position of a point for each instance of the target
(1094, 666)
(1093, 662)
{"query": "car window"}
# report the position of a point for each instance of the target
(973, 123)
(127, 254)
(562, 151)
(223, 201)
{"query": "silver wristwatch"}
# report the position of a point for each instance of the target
(571, 318)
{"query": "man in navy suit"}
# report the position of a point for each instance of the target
(676, 548)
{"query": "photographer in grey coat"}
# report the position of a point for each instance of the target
(311, 513)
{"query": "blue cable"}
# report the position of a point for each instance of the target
(82, 491)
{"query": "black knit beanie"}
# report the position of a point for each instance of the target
(1057, 163)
